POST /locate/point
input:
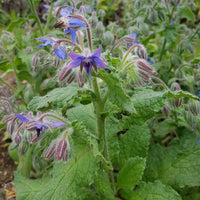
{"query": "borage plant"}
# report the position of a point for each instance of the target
(103, 145)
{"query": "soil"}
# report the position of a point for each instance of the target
(7, 165)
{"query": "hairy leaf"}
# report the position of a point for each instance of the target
(131, 173)
(177, 165)
(56, 97)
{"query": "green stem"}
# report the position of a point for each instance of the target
(13, 66)
(162, 50)
(8, 85)
(48, 19)
(99, 105)
(31, 4)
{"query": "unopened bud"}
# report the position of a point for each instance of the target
(161, 15)
(145, 77)
(144, 29)
(185, 46)
(93, 20)
(102, 14)
(120, 32)
(47, 84)
(175, 60)
(17, 138)
(60, 150)
(165, 110)
(141, 52)
(152, 15)
(194, 107)
(22, 148)
(145, 66)
(64, 72)
(191, 119)
(50, 150)
(35, 61)
(108, 38)
(80, 79)
(99, 30)
(176, 102)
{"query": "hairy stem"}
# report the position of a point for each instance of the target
(8, 85)
(48, 19)
(32, 7)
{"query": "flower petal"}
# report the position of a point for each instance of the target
(74, 56)
(76, 22)
(98, 52)
(74, 64)
(60, 53)
(66, 31)
(88, 67)
(22, 118)
(57, 124)
(73, 34)
(99, 63)
(63, 12)
(134, 35)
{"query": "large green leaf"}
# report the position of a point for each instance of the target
(177, 165)
(186, 12)
(55, 98)
(153, 191)
(25, 188)
(135, 142)
(131, 173)
(147, 102)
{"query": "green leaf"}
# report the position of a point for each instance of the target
(25, 188)
(56, 97)
(177, 165)
(134, 142)
(147, 102)
(85, 114)
(25, 75)
(116, 93)
(131, 173)
(15, 23)
(186, 12)
(179, 94)
(154, 191)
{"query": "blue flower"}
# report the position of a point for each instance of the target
(134, 36)
(70, 24)
(60, 53)
(198, 93)
(87, 61)
(39, 126)
(149, 60)
(198, 141)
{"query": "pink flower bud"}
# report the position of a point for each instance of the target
(17, 138)
(50, 150)
(80, 79)
(141, 52)
(144, 76)
(145, 66)
(165, 110)
(60, 150)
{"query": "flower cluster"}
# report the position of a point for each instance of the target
(33, 126)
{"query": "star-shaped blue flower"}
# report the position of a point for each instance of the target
(70, 24)
(60, 53)
(87, 62)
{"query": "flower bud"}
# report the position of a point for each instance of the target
(108, 38)
(80, 79)
(64, 72)
(120, 32)
(17, 138)
(176, 102)
(145, 77)
(141, 52)
(50, 150)
(175, 60)
(35, 61)
(152, 15)
(185, 46)
(144, 29)
(191, 119)
(101, 14)
(99, 30)
(161, 15)
(194, 107)
(22, 148)
(60, 149)
(145, 66)
(165, 110)
(93, 20)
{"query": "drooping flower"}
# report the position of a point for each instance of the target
(58, 50)
(134, 36)
(36, 124)
(86, 61)
(70, 24)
